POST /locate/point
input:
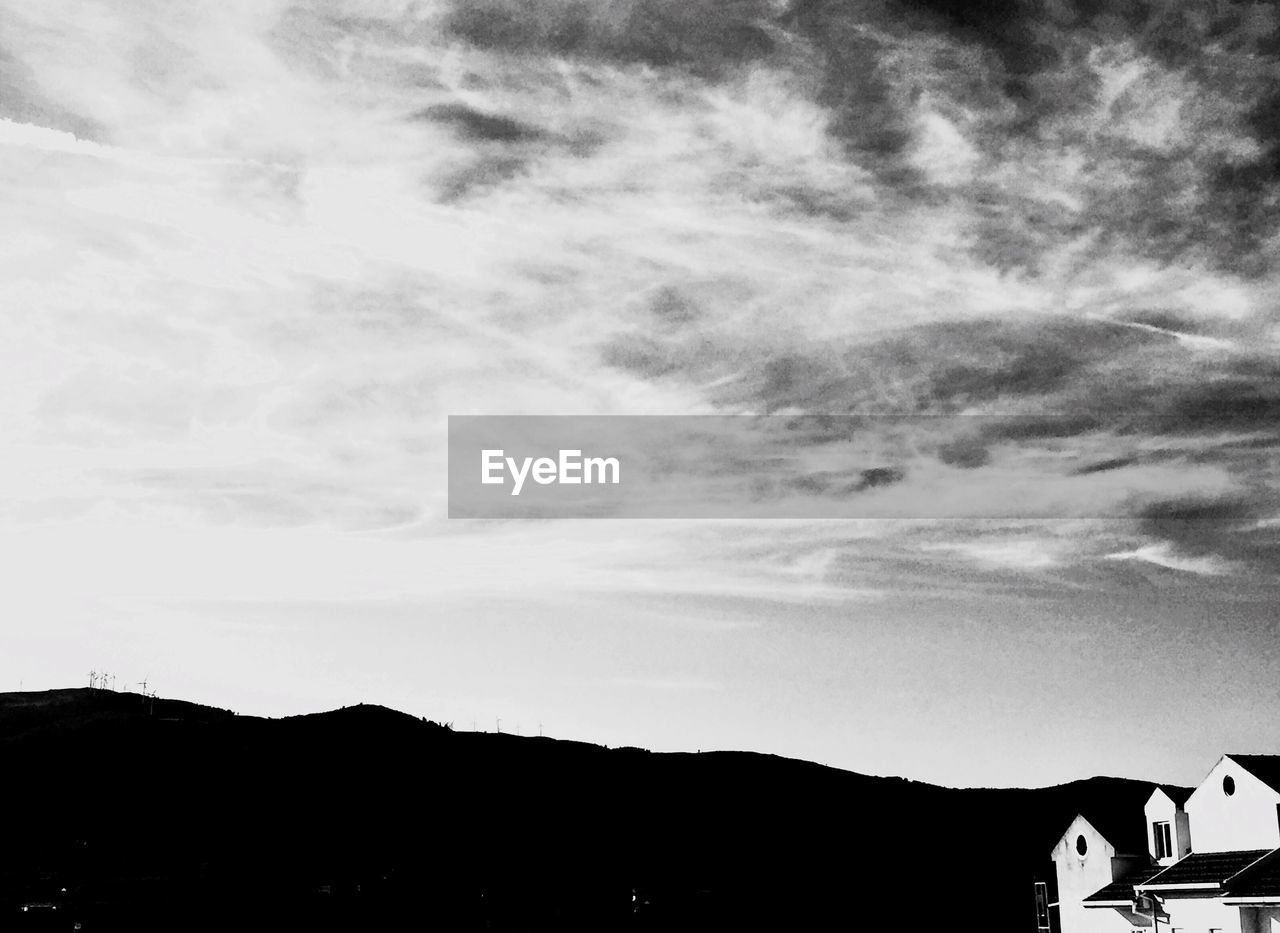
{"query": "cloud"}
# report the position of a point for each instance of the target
(479, 126)
(702, 35)
(265, 249)
(1164, 555)
(1241, 401)
(1225, 533)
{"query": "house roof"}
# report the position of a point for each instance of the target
(1260, 880)
(1266, 768)
(1117, 892)
(1205, 870)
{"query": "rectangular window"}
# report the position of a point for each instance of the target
(1042, 905)
(1163, 837)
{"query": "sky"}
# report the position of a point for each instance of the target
(257, 252)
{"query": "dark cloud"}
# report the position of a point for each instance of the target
(815, 484)
(1171, 514)
(502, 147)
(704, 36)
(838, 206)
(1227, 527)
(673, 306)
(1221, 405)
(879, 476)
(641, 355)
(808, 381)
(988, 55)
(1104, 466)
(1267, 442)
(1006, 28)
(872, 110)
(1030, 73)
(967, 453)
(1244, 211)
(481, 175)
(1068, 367)
(830, 483)
(965, 362)
(1038, 426)
(1027, 78)
(476, 125)
(1015, 234)
(792, 379)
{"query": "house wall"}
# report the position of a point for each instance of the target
(1246, 819)
(1199, 915)
(1079, 876)
(1161, 809)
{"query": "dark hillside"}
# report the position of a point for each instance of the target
(182, 816)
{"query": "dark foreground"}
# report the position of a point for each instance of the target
(123, 814)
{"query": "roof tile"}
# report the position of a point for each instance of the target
(1206, 869)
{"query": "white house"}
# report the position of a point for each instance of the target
(1212, 860)
(1088, 859)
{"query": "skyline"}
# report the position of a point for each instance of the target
(260, 251)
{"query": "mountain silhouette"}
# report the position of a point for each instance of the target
(128, 812)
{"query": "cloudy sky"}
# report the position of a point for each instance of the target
(256, 252)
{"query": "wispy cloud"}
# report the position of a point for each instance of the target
(287, 260)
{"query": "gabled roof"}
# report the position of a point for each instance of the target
(1266, 768)
(1203, 871)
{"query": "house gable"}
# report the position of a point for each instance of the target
(1086, 861)
(1167, 826)
(1233, 809)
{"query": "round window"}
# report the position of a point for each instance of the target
(1082, 845)
(1228, 785)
